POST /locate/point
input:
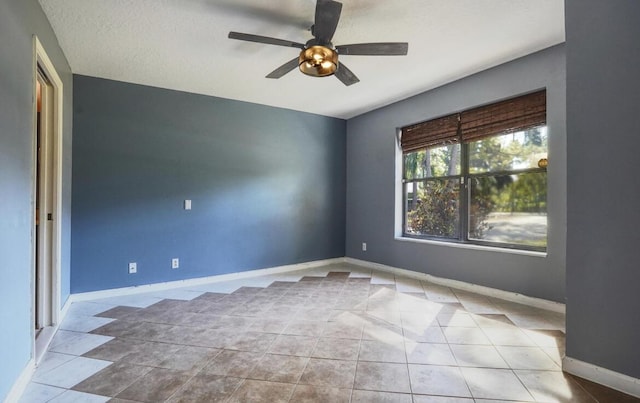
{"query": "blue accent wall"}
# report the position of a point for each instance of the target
(372, 153)
(267, 185)
(19, 21)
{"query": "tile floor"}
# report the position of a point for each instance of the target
(338, 333)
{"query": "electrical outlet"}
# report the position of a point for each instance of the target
(175, 263)
(364, 246)
(187, 204)
(133, 268)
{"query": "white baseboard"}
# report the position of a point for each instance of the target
(461, 285)
(45, 337)
(43, 341)
(21, 383)
(603, 376)
(64, 310)
(117, 292)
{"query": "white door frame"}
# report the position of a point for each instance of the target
(41, 61)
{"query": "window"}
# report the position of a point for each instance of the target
(479, 176)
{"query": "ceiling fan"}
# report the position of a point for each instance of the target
(318, 57)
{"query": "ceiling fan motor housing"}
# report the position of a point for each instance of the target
(318, 61)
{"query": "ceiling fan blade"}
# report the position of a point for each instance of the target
(345, 75)
(374, 49)
(284, 69)
(265, 39)
(326, 22)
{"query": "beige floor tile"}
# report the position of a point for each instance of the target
(527, 358)
(332, 373)
(78, 343)
(369, 396)
(384, 316)
(443, 399)
(118, 328)
(381, 351)
(478, 356)
(464, 335)
(348, 327)
(426, 334)
(112, 380)
(279, 368)
(553, 386)
(438, 380)
(83, 323)
(36, 392)
(115, 350)
(262, 392)
(206, 388)
(313, 313)
(508, 337)
(71, 372)
(493, 320)
(155, 386)
(429, 353)
(72, 396)
(268, 325)
(457, 319)
(314, 394)
(304, 328)
(489, 383)
(339, 349)
(52, 360)
(382, 332)
(233, 363)
(89, 308)
(384, 377)
(293, 345)
(546, 338)
(252, 341)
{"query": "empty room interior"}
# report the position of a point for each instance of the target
(319, 201)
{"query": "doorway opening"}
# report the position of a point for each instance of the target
(46, 200)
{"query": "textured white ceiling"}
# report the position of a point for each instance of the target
(183, 45)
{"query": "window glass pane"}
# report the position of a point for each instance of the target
(432, 208)
(509, 209)
(414, 164)
(433, 162)
(507, 152)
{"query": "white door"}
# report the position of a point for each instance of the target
(47, 197)
(44, 201)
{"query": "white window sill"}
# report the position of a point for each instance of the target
(474, 247)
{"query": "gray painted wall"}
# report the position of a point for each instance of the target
(371, 181)
(19, 21)
(267, 185)
(603, 132)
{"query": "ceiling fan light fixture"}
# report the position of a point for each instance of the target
(318, 61)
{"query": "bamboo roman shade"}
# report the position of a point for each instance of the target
(431, 133)
(512, 115)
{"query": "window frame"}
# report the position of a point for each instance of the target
(464, 178)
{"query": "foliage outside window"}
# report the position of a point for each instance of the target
(484, 186)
